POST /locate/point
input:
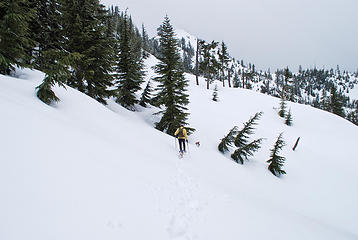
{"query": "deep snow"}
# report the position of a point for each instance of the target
(81, 170)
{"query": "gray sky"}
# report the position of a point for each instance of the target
(268, 33)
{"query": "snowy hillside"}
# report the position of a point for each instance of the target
(81, 170)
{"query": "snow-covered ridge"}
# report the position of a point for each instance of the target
(80, 170)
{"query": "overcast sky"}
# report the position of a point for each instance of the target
(269, 33)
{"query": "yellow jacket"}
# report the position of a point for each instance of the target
(185, 136)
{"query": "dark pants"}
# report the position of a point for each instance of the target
(182, 144)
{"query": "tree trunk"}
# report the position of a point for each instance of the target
(197, 62)
(228, 80)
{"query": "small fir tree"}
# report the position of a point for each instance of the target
(276, 161)
(215, 94)
(245, 148)
(246, 151)
(282, 111)
(288, 120)
(227, 141)
(243, 135)
(146, 95)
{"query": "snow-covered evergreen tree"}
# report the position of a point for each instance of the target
(228, 140)
(244, 134)
(245, 148)
(276, 161)
(130, 68)
(288, 120)
(15, 41)
(146, 95)
(215, 94)
(85, 34)
(283, 106)
(172, 85)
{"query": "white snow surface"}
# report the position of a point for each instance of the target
(82, 170)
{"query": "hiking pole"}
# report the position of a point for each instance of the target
(187, 144)
(175, 143)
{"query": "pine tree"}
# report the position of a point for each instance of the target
(227, 141)
(130, 66)
(282, 111)
(146, 95)
(215, 94)
(288, 120)
(223, 60)
(15, 40)
(335, 104)
(243, 135)
(276, 161)
(172, 85)
(245, 148)
(86, 35)
(209, 66)
(246, 151)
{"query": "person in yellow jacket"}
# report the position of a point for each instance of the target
(180, 133)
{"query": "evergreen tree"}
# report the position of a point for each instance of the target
(223, 61)
(288, 120)
(335, 102)
(215, 94)
(245, 148)
(243, 135)
(15, 40)
(86, 35)
(276, 161)
(146, 95)
(282, 111)
(145, 44)
(172, 85)
(130, 67)
(227, 141)
(246, 151)
(56, 72)
(209, 65)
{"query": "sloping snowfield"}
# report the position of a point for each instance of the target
(81, 170)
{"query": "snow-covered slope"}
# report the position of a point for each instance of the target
(80, 170)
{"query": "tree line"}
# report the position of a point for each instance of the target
(95, 50)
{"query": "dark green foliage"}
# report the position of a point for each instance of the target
(15, 41)
(45, 29)
(335, 104)
(146, 95)
(215, 94)
(245, 148)
(56, 72)
(223, 61)
(172, 85)
(246, 151)
(243, 135)
(44, 91)
(130, 67)
(288, 120)
(209, 66)
(282, 111)
(85, 30)
(227, 140)
(276, 161)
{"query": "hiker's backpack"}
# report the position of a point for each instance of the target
(181, 133)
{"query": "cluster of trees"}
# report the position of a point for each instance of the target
(320, 88)
(246, 148)
(95, 50)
